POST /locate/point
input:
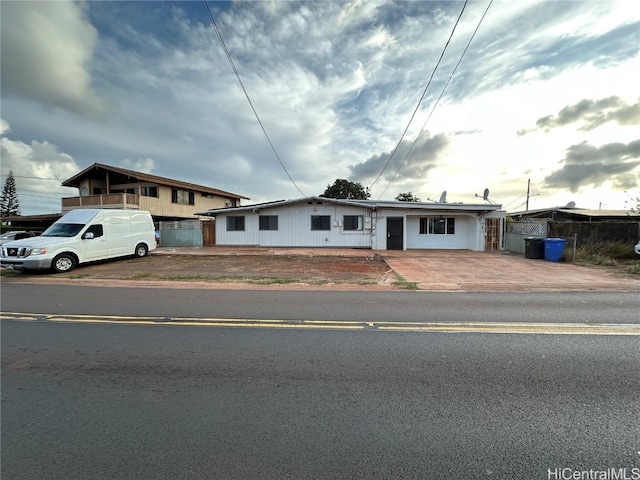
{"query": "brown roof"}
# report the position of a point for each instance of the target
(147, 177)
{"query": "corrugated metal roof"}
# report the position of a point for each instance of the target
(371, 204)
(579, 212)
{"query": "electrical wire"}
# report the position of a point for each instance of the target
(440, 96)
(514, 201)
(246, 94)
(424, 92)
(32, 178)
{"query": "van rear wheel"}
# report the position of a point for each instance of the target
(63, 263)
(141, 250)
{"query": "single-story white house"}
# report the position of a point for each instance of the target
(379, 225)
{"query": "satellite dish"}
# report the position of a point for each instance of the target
(570, 205)
(485, 195)
(443, 197)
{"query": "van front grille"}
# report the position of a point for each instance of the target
(15, 252)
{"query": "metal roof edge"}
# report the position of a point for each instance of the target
(370, 204)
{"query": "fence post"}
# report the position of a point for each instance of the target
(575, 242)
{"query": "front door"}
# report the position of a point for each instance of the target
(208, 233)
(395, 230)
(492, 234)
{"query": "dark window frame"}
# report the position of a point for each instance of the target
(320, 222)
(353, 223)
(268, 222)
(178, 197)
(235, 223)
(149, 192)
(437, 226)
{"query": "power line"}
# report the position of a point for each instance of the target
(246, 94)
(32, 178)
(37, 196)
(514, 201)
(440, 96)
(424, 92)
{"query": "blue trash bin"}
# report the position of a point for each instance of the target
(553, 248)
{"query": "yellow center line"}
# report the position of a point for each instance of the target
(536, 328)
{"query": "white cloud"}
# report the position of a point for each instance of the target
(334, 84)
(146, 165)
(39, 169)
(46, 54)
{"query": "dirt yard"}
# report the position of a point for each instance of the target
(257, 269)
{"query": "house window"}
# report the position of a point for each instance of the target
(268, 222)
(438, 226)
(182, 196)
(235, 224)
(353, 222)
(150, 192)
(320, 222)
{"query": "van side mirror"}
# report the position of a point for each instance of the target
(88, 236)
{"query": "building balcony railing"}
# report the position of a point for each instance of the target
(110, 200)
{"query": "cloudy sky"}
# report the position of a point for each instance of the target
(546, 90)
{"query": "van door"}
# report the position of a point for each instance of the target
(93, 248)
(118, 230)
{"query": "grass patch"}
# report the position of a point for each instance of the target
(7, 272)
(604, 254)
(595, 259)
(79, 276)
(613, 250)
(141, 276)
(402, 283)
(223, 279)
(621, 256)
(633, 269)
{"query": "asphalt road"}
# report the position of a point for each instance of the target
(405, 306)
(83, 400)
(175, 402)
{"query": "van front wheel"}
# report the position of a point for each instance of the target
(141, 250)
(63, 263)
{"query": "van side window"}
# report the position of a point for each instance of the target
(96, 230)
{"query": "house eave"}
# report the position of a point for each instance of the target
(368, 204)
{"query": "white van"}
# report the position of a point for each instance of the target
(83, 235)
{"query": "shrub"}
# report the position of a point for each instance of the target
(609, 250)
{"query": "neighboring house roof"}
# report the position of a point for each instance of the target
(32, 221)
(564, 213)
(146, 177)
(370, 204)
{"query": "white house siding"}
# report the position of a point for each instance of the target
(469, 231)
(294, 227)
(463, 238)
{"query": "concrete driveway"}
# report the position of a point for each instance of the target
(461, 270)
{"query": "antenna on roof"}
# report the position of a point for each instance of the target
(485, 195)
(443, 197)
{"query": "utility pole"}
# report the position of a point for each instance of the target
(528, 190)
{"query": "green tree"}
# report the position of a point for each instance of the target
(9, 203)
(345, 189)
(407, 197)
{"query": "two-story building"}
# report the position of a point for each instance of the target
(104, 186)
(168, 200)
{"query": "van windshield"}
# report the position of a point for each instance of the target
(63, 230)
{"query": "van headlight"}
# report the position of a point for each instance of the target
(38, 251)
